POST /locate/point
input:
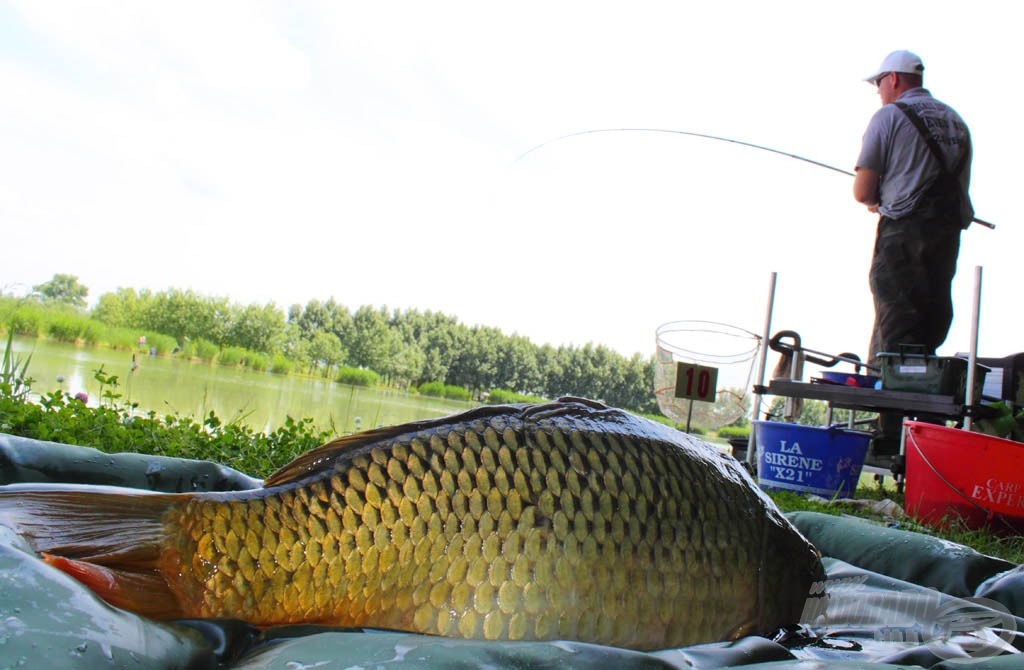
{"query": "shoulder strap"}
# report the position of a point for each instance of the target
(927, 136)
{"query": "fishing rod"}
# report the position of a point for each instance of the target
(706, 137)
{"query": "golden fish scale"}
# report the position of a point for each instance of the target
(482, 531)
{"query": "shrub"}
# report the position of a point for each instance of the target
(432, 389)
(25, 321)
(64, 328)
(120, 338)
(439, 390)
(672, 423)
(357, 377)
(93, 332)
(202, 349)
(231, 356)
(280, 365)
(163, 345)
(504, 396)
(256, 361)
(733, 431)
(456, 393)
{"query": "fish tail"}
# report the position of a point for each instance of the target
(107, 539)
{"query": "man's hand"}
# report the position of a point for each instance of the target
(865, 188)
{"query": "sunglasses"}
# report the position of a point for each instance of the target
(880, 78)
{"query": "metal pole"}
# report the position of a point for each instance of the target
(972, 357)
(762, 358)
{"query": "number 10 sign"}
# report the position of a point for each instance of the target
(696, 382)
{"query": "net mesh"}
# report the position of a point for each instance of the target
(729, 349)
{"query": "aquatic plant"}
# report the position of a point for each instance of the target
(231, 356)
(441, 390)
(280, 365)
(14, 380)
(357, 377)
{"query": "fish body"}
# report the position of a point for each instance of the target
(566, 520)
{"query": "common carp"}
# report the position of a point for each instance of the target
(566, 520)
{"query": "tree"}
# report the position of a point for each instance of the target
(257, 328)
(404, 346)
(406, 363)
(476, 367)
(63, 289)
(517, 367)
(293, 345)
(551, 363)
(188, 315)
(325, 349)
(433, 338)
(318, 316)
(123, 308)
(632, 384)
(372, 342)
(585, 371)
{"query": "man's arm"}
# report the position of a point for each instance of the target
(865, 188)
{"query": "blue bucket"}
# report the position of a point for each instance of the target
(808, 459)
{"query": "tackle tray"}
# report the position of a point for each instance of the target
(913, 370)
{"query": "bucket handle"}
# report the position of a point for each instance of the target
(989, 514)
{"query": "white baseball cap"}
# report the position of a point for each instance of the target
(898, 61)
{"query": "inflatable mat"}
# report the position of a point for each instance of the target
(894, 598)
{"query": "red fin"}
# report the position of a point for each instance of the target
(100, 580)
(143, 592)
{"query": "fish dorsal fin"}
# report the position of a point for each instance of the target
(321, 459)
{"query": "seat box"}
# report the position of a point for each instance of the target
(924, 373)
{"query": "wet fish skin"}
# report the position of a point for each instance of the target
(567, 520)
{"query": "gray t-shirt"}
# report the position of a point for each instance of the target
(894, 148)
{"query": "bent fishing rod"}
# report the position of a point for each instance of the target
(705, 136)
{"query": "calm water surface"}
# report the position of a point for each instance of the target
(261, 400)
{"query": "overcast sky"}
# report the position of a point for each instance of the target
(385, 153)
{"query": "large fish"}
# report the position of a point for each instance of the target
(567, 520)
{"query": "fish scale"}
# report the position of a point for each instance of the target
(568, 520)
(461, 456)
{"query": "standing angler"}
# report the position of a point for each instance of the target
(568, 520)
(914, 170)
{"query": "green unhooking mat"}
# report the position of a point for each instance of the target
(895, 599)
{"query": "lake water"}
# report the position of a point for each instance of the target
(261, 400)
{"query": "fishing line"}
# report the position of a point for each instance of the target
(706, 137)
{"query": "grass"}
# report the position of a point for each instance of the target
(1007, 547)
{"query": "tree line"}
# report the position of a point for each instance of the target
(405, 347)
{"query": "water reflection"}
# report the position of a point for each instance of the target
(261, 400)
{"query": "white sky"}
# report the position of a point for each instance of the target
(285, 151)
